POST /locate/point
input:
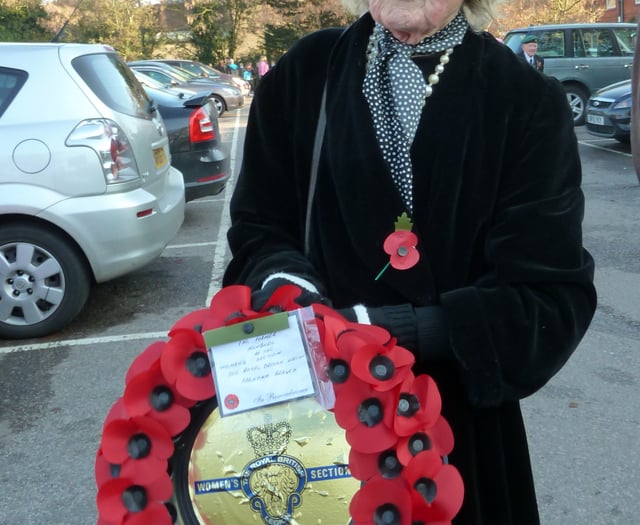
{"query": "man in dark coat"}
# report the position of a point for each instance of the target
(502, 293)
(528, 51)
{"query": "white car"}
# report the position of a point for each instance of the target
(87, 190)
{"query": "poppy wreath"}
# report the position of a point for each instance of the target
(392, 419)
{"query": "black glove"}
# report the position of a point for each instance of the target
(421, 329)
(260, 297)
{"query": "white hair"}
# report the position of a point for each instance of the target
(478, 12)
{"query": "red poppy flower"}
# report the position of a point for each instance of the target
(117, 411)
(231, 401)
(437, 490)
(104, 471)
(419, 405)
(367, 466)
(145, 359)
(193, 321)
(140, 445)
(120, 499)
(382, 367)
(150, 394)
(367, 416)
(157, 513)
(363, 466)
(185, 365)
(105, 522)
(357, 336)
(232, 304)
(330, 325)
(283, 299)
(382, 501)
(401, 246)
(438, 438)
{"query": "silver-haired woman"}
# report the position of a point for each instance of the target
(429, 119)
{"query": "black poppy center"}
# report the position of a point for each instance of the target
(275, 309)
(114, 470)
(427, 488)
(387, 514)
(173, 512)
(389, 465)
(382, 368)
(233, 316)
(408, 405)
(161, 398)
(370, 412)
(198, 364)
(139, 446)
(135, 498)
(338, 371)
(419, 443)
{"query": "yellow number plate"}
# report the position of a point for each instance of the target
(160, 156)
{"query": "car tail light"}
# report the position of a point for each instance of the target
(111, 144)
(201, 126)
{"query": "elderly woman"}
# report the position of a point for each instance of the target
(433, 126)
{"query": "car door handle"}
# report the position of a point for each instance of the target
(581, 66)
(628, 66)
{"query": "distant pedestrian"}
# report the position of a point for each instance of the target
(262, 66)
(232, 67)
(248, 75)
(528, 52)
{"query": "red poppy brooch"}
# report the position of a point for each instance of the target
(400, 245)
(392, 420)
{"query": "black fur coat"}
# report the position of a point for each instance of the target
(497, 210)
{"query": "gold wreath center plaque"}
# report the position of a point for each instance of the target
(285, 464)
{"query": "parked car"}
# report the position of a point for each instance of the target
(584, 57)
(609, 112)
(194, 138)
(87, 190)
(227, 97)
(200, 69)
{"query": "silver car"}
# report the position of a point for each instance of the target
(226, 96)
(87, 191)
(584, 57)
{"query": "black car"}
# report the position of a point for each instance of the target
(609, 112)
(194, 139)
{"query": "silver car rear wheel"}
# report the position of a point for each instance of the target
(219, 103)
(44, 281)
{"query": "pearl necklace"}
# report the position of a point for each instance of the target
(432, 79)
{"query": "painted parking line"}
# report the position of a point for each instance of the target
(83, 342)
(596, 144)
(191, 245)
(219, 255)
(216, 272)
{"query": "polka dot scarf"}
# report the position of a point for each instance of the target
(395, 89)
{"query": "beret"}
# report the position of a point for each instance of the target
(529, 38)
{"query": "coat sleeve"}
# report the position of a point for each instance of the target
(518, 323)
(268, 206)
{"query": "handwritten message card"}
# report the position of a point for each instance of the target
(260, 362)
